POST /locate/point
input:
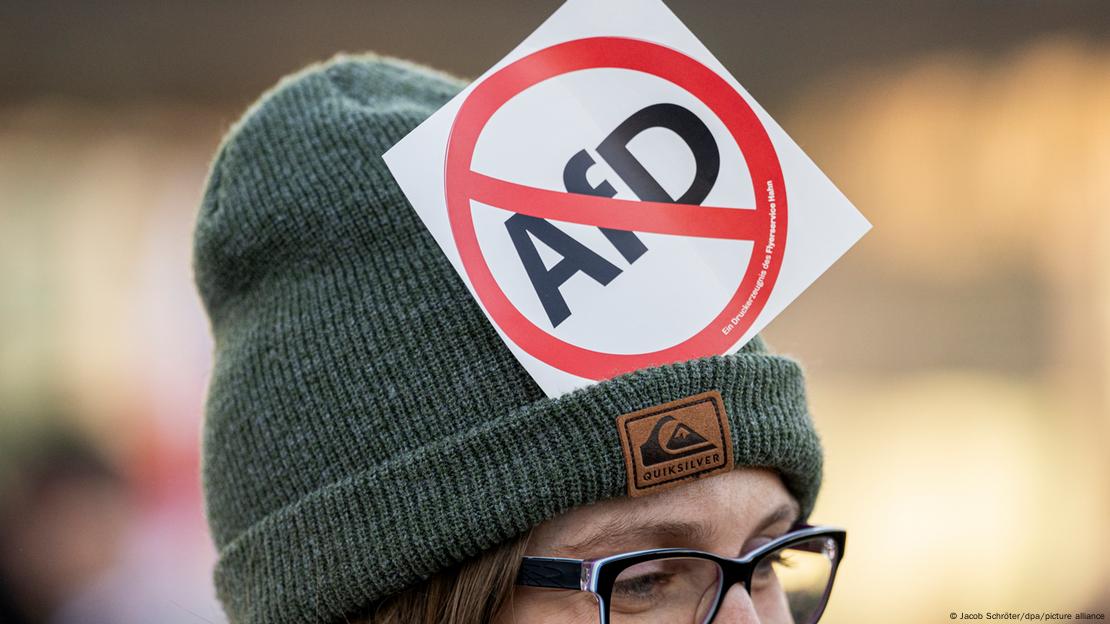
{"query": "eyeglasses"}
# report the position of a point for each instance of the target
(789, 580)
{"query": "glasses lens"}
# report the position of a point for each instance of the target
(677, 590)
(790, 585)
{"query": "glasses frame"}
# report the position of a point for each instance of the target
(597, 576)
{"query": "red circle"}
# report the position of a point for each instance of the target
(685, 72)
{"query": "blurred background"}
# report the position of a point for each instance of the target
(959, 356)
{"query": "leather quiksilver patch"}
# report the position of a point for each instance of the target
(669, 444)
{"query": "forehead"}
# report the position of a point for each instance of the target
(729, 506)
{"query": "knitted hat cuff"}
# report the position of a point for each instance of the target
(375, 533)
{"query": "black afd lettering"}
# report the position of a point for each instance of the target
(614, 150)
(576, 257)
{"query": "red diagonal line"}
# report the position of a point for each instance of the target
(617, 214)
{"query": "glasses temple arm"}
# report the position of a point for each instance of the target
(550, 572)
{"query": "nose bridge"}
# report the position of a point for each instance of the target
(736, 607)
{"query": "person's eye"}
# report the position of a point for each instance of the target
(781, 559)
(642, 587)
(775, 560)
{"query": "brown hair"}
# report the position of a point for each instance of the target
(473, 592)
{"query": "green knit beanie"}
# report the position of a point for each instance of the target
(365, 425)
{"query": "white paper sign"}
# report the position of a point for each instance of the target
(614, 199)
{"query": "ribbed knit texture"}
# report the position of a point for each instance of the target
(365, 424)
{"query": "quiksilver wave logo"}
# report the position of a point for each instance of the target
(682, 441)
(676, 441)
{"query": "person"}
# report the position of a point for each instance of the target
(373, 452)
(63, 523)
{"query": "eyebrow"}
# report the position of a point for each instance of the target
(612, 535)
(782, 512)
